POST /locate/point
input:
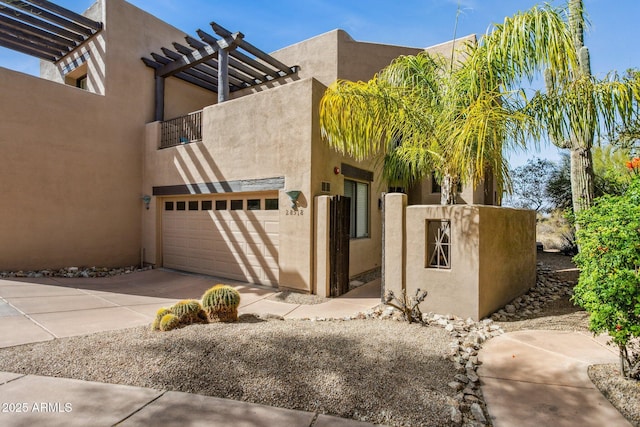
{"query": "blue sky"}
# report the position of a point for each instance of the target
(271, 25)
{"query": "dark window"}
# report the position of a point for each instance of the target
(358, 192)
(206, 205)
(168, 206)
(221, 205)
(236, 205)
(271, 204)
(435, 186)
(193, 205)
(253, 204)
(81, 82)
(181, 206)
(397, 190)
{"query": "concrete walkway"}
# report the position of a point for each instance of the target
(539, 378)
(44, 401)
(35, 310)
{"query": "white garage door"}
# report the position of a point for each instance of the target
(233, 237)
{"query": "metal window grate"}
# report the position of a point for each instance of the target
(438, 244)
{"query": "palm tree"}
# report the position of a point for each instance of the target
(576, 106)
(456, 116)
(412, 112)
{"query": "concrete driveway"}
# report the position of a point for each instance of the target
(33, 310)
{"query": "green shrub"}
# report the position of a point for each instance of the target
(159, 315)
(189, 311)
(168, 322)
(609, 287)
(221, 303)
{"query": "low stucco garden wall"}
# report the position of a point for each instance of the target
(487, 256)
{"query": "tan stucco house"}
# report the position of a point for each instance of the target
(111, 159)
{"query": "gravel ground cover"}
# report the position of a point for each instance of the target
(623, 394)
(378, 371)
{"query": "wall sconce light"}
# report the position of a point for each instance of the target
(293, 195)
(146, 199)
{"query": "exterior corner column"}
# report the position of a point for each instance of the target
(223, 75)
(322, 268)
(159, 99)
(394, 242)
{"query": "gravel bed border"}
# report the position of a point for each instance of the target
(71, 272)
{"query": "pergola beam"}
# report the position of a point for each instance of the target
(43, 29)
(35, 22)
(197, 82)
(189, 75)
(72, 16)
(48, 45)
(215, 64)
(208, 38)
(223, 32)
(36, 11)
(187, 61)
(243, 80)
(12, 23)
(19, 47)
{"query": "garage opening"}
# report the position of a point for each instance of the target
(233, 236)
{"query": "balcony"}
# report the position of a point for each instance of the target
(181, 130)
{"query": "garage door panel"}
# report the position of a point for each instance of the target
(262, 263)
(240, 245)
(254, 247)
(272, 227)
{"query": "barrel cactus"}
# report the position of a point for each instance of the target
(221, 303)
(168, 322)
(189, 311)
(159, 315)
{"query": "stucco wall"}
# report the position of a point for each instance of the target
(454, 290)
(336, 55)
(492, 258)
(68, 185)
(508, 253)
(421, 194)
(72, 173)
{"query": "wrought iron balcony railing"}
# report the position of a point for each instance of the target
(181, 130)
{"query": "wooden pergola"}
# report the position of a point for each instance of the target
(221, 65)
(43, 29)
